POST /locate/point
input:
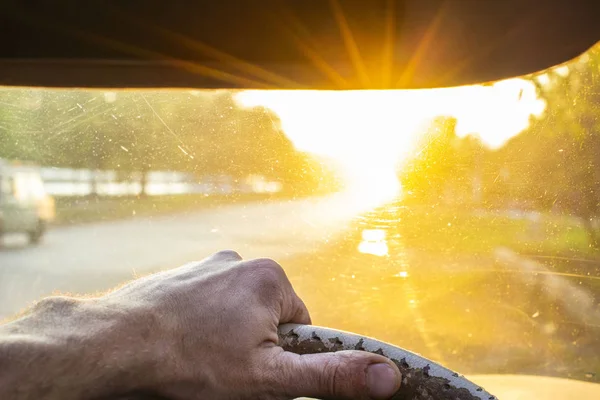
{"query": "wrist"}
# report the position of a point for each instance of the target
(127, 343)
(39, 352)
(69, 349)
(147, 336)
(117, 339)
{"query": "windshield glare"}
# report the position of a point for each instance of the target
(461, 223)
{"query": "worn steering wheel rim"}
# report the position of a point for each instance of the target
(422, 379)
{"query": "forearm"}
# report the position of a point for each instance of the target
(30, 365)
(62, 350)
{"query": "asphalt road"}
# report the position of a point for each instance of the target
(354, 271)
(95, 257)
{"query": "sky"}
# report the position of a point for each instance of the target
(317, 120)
(369, 131)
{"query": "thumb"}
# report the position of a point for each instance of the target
(348, 374)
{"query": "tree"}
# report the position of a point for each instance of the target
(20, 123)
(555, 163)
(142, 139)
(225, 138)
(425, 176)
(134, 132)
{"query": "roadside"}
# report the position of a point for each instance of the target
(464, 230)
(559, 243)
(439, 283)
(81, 210)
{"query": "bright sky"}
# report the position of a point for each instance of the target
(369, 131)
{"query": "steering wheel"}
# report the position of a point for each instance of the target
(422, 379)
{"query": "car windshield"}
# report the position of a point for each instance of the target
(459, 223)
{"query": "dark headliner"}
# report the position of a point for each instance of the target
(287, 44)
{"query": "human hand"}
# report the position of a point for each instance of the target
(214, 330)
(208, 330)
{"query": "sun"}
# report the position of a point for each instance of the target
(370, 131)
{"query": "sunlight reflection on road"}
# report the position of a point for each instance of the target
(373, 242)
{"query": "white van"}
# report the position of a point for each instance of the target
(25, 207)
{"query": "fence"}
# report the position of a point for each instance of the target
(82, 182)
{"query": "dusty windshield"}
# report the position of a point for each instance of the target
(458, 223)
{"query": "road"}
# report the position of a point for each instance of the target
(355, 271)
(96, 257)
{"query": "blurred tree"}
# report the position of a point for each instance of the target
(425, 178)
(144, 136)
(447, 169)
(20, 124)
(76, 130)
(238, 141)
(555, 163)
(134, 132)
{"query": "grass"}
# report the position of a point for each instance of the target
(456, 305)
(463, 231)
(557, 242)
(79, 210)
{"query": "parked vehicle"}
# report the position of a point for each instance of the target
(24, 204)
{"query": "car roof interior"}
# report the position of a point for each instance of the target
(288, 44)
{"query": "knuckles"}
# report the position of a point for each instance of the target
(228, 255)
(265, 279)
(262, 276)
(265, 272)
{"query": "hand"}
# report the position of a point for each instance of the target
(208, 330)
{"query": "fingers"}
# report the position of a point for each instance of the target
(274, 288)
(270, 283)
(340, 375)
(298, 312)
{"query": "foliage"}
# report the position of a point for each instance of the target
(134, 131)
(554, 165)
(445, 167)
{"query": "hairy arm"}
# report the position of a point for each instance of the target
(67, 348)
(206, 330)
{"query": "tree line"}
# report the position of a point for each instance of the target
(552, 166)
(205, 133)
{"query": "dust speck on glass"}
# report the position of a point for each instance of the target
(461, 224)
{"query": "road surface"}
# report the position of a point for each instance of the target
(95, 257)
(355, 272)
